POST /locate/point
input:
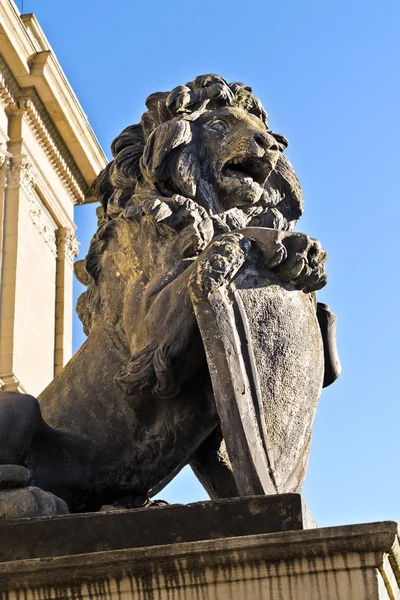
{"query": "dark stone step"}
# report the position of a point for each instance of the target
(96, 532)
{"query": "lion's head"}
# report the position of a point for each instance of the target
(208, 141)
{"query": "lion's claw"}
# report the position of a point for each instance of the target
(293, 256)
(305, 263)
(219, 263)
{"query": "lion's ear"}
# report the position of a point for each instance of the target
(282, 141)
(80, 272)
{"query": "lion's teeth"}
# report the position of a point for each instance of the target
(233, 174)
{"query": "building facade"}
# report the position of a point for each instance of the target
(49, 156)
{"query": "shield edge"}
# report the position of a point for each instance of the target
(224, 329)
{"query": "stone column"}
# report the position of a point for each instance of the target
(4, 166)
(20, 174)
(67, 249)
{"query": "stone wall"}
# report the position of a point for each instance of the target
(48, 159)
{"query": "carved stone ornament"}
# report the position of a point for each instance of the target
(24, 175)
(5, 162)
(21, 173)
(68, 245)
(42, 222)
(206, 345)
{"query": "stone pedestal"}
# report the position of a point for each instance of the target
(199, 552)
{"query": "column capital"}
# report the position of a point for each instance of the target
(67, 244)
(10, 383)
(5, 164)
(5, 157)
(23, 104)
(22, 173)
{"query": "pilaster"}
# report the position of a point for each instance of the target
(16, 173)
(67, 250)
(4, 167)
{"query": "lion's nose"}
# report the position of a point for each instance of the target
(266, 142)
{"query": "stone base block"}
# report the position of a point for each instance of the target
(359, 562)
(94, 532)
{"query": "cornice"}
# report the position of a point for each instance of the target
(29, 56)
(48, 137)
(35, 31)
(9, 88)
(26, 102)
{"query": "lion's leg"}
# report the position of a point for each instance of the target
(212, 467)
(20, 419)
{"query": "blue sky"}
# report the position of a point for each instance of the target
(328, 75)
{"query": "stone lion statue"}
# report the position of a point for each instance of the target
(183, 203)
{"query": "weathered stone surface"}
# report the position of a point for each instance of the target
(95, 532)
(13, 476)
(198, 194)
(358, 562)
(269, 367)
(30, 502)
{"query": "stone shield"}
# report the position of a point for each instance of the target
(265, 356)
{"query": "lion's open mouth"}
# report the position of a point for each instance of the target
(251, 169)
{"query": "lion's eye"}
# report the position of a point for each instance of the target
(218, 125)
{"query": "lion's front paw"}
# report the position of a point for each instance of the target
(304, 264)
(18, 501)
(30, 502)
(218, 264)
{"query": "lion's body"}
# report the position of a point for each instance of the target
(135, 404)
(106, 445)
